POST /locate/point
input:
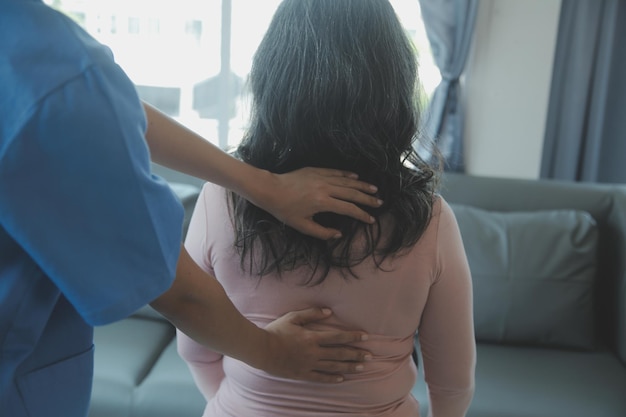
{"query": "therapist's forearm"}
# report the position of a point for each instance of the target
(198, 305)
(293, 198)
(177, 147)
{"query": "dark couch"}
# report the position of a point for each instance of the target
(548, 261)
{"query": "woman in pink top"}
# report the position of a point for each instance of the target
(334, 85)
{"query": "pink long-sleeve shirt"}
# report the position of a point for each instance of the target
(427, 290)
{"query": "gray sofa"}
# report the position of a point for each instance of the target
(548, 261)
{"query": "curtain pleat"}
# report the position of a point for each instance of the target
(585, 135)
(449, 25)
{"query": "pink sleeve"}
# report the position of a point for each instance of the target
(446, 332)
(205, 365)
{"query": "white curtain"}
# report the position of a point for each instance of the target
(449, 25)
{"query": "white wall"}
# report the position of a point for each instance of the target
(507, 85)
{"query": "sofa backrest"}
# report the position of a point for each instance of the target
(605, 203)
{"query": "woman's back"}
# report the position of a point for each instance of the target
(333, 85)
(428, 287)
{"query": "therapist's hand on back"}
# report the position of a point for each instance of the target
(197, 304)
(313, 355)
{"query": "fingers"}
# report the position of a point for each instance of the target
(353, 184)
(344, 356)
(349, 190)
(339, 337)
(333, 342)
(343, 179)
(348, 361)
(330, 172)
(354, 196)
(327, 337)
(309, 315)
(348, 209)
(316, 355)
(311, 228)
(329, 371)
(309, 191)
(340, 368)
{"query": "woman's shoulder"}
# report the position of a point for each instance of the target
(441, 212)
(213, 195)
(442, 217)
(213, 204)
(442, 207)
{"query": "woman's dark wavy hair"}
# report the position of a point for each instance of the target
(334, 84)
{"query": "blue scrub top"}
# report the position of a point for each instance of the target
(87, 234)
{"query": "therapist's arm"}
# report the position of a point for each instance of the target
(197, 304)
(293, 198)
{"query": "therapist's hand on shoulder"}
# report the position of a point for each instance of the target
(295, 197)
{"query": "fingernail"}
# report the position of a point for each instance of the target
(359, 367)
(364, 337)
(373, 188)
(339, 379)
(353, 175)
(337, 236)
(372, 220)
(380, 202)
(326, 311)
(367, 357)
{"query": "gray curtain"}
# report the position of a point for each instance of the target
(585, 137)
(449, 25)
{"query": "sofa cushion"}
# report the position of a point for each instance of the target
(169, 389)
(542, 382)
(125, 353)
(533, 275)
(147, 312)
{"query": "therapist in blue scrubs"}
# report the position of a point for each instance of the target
(88, 235)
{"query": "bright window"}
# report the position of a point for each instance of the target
(190, 58)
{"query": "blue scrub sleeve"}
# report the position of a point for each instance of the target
(77, 194)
